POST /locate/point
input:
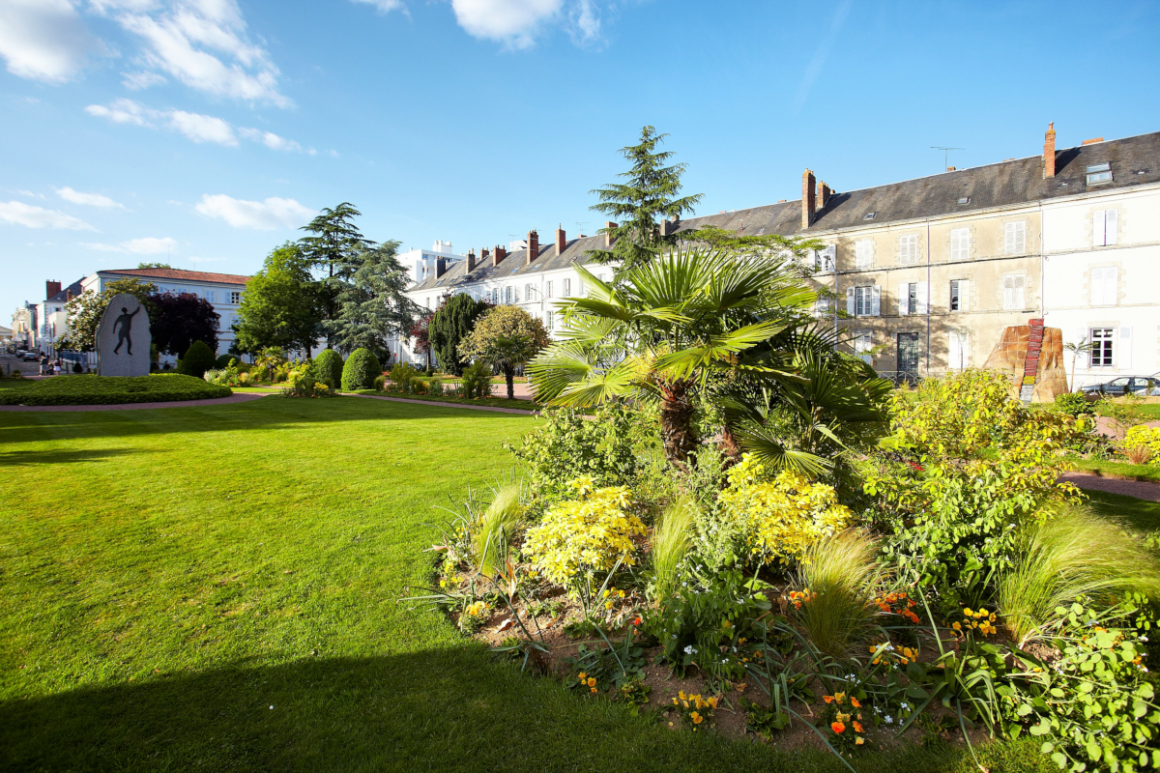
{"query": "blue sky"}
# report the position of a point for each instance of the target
(204, 132)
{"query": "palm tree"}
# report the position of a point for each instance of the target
(508, 353)
(666, 329)
(1076, 350)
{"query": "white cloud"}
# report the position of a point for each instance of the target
(30, 194)
(585, 22)
(88, 199)
(270, 140)
(123, 111)
(149, 245)
(203, 44)
(515, 22)
(202, 128)
(136, 81)
(39, 217)
(262, 215)
(43, 40)
(385, 6)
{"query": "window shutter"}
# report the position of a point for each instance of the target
(1111, 286)
(1099, 234)
(829, 258)
(923, 289)
(1124, 349)
(850, 301)
(1111, 227)
(1009, 238)
(903, 297)
(876, 302)
(1020, 302)
(964, 295)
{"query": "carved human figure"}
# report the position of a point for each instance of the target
(123, 328)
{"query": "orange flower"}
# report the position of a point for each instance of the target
(857, 727)
(838, 727)
(854, 702)
(859, 741)
(828, 698)
(591, 682)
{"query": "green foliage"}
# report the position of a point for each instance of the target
(1074, 404)
(85, 311)
(300, 382)
(223, 361)
(565, 446)
(649, 194)
(370, 306)
(671, 541)
(1142, 444)
(327, 367)
(964, 467)
(403, 378)
(839, 576)
(505, 337)
(492, 533)
(1122, 413)
(452, 323)
(476, 381)
(197, 360)
(107, 390)
(1062, 559)
(583, 538)
(380, 383)
(361, 370)
(281, 306)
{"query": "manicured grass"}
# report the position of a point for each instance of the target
(214, 589)
(1149, 472)
(1139, 514)
(494, 402)
(104, 390)
(1149, 411)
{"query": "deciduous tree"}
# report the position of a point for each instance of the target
(281, 305)
(181, 319)
(505, 337)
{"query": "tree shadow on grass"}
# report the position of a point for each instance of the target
(432, 710)
(58, 456)
(267, 413)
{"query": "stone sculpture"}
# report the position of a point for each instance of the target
(123, 338)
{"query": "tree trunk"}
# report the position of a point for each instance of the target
(729, 445)
(509, 375)
(677, 422)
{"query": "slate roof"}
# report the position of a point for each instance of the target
(1134, 161)
(69, 291)
(180, 275)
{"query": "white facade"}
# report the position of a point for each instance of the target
(422, 263)
(1101, 280)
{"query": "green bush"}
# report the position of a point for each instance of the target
(361, 370)
(223, 362)
(839, 577)
(327, 367)
(1074, 404)
(403, 377)
(380, 383)
(476, 381)
(197, 360)
(110, 390)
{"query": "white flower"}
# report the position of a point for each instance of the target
(1143, 638)
(690, 650)
(904, 705)
(889, 720)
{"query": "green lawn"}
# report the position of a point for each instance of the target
(1135, 513)
(214, 589)
(1149, 472)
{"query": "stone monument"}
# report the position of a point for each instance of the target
(123, 338)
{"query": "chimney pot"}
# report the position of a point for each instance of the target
(561, 240)
(471, 259)
(1049, 151)
(809, 203)
(607, 236)
(533, 246)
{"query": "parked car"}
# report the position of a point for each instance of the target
(1117, 387)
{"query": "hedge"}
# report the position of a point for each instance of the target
(112, 390)
(197, 360)
(327, 367)
(361, 370)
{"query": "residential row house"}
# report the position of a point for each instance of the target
(922, 277)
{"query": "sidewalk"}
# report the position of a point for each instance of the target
(1139, 489)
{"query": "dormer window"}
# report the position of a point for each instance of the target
(1099, 173)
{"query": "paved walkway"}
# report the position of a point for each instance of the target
(1140, 489)
(243, 398)
(434, 404)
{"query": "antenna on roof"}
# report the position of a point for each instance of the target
(946, 154)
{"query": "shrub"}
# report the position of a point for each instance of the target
(360, 370)
(671, 541)
(1142, 444)
(223, 361)
(327, 367)
(1059, 560)
(77, 368)
(840, 576)
(197, 360)
(476, 381)
(1074, 404)
(581, 538)
(492, 533)
(783, 516)
(403, 375)
(566, 446)
(108, 390)
(380, 383)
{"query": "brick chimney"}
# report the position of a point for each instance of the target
(533, 246)
(809, 203)
(484, 254)
(1049, 151)
(499, 254)
(1092, 141)
(471, 260)
(607, 236)
(823, 194)
(51, 289)
(440, 267)
(950, 169)
(561, 240)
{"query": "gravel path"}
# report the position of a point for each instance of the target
(434, 404)
(244, 398)
(1140, 489)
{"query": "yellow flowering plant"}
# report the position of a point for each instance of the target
(693, 709)
(581, 538)
(474, 616)
(1142, 445)
(782, 515)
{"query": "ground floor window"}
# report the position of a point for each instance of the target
(908, 352)
(1101, 341)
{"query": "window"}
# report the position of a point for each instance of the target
(210, 295)
(1099, 173)
(1013, 285)
(912, 298)
(527, 292)
(567, 287)
(548, 290)
(507, 294)
(825, 258)
(1105, 286)
(1105, 228)
(863, 343)
(583, 289)
(235, 297)
(863, 301)
(863, 254)
(908, 249)
(1015, 238)
(549, 320)
(961, 244)
(427, 302)
(1101, 338)
(960, 290)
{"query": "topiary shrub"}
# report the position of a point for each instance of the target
(327, 367)
(361, 370)
(77, 368)
(197, 360)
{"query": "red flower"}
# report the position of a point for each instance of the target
(838, 727)
(636, 620)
